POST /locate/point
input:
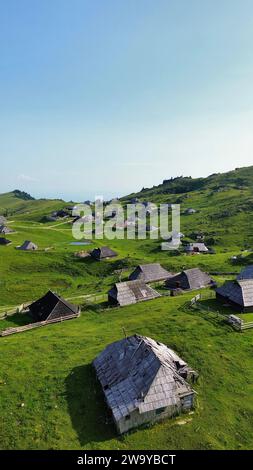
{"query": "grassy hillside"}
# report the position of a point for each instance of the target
(49, 370)
(224, 205)
(23, 206)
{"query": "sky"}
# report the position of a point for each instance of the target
(104, 97)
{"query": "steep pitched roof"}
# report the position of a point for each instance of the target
(28, 245)
(138, 373)
(240, 292)
(246, 273)
(149, 273)
(103, 252)
(190, 279)
(5, 229)
(199, 247)
(131, 292)
(4, 241)
(51, 304)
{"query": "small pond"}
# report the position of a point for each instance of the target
(84, 243)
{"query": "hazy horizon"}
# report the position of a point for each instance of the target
(109, 97)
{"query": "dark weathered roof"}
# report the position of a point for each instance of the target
(149, 273)
(190, 279)
(246, 273)
(28, 245)
(201, 247)
(240, 292)
(138, 373)
(51, 303)
(131, 292)
(103, 252)
(4, 241)
(5, 229)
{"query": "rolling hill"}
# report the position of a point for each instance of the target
(50, 398)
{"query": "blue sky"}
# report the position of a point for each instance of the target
(108, 96)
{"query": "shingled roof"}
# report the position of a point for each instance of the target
(149, 273)
(4, 229)
(27, 245)
(196, 248)
(246, 273)
(4, 241)
(239, 293)
(140, 374)
(131, 292)
(103, 252)
(190, 279)
(51, 306)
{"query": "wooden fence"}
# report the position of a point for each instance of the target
(238, 324)
(31, 326)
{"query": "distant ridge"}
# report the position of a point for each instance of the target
(22, 195)
(240, 178)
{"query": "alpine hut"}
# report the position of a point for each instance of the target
(131, 292)
(143, 382)
(190, 279)
(190, 211)
(4, 241)
(149, 273)
(196, 248)
(28, 246)
(5, 230)
(238, 294)
(246, 273)
(2, 220)
(51, 306)
(103, 253)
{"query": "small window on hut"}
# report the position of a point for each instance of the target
(106, 387)
(127, 417)
(160, 410)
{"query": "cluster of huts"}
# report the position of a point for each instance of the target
(4, 230)
(138, 288)
(143, 380)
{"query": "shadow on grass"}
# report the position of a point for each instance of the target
(89, 414)
(211, 311)
(19, 319)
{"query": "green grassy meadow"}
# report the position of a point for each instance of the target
(49, 396)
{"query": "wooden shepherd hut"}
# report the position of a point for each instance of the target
(131, 292)
(27, 246)
(196, 248)
(149, 273)
(103, 253)
(143, 382)
(51, 306)
(4, 241)
(190, 279)
(238, 294)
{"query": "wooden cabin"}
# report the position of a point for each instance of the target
(238, 294)
(4, 241)
(131, 292)
(27, 246)
(190, 279)
(103, 253)
(143, 382)
(151, 272)
(196, 248)
(52, 306)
